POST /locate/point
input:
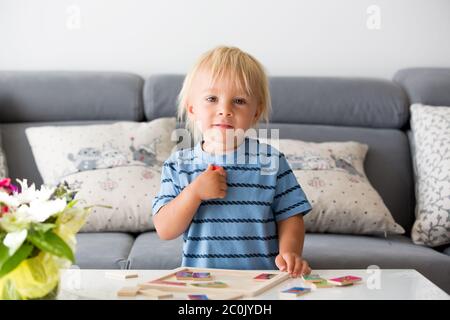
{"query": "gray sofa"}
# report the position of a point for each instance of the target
(372, 111)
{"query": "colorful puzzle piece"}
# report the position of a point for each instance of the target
(184, 275)
(201, 276)
(314, 278)
(294, 292)
(344, 281)
(264, 276)
(215, 284)
(198, 297)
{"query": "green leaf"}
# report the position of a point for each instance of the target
(4, 254)
(52, 244)
(21, 254)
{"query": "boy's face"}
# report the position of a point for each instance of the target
(220, 107)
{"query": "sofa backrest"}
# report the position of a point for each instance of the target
(430, 86)
(33, 96)
(318, 109)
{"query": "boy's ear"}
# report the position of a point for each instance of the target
(257, 114)
(190, 110)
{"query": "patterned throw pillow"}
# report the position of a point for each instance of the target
(3, 168)
(332, 176)
(431, 132)
(117, 165)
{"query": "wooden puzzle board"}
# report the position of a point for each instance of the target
(239, 282)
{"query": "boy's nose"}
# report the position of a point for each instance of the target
(225, 110)
(225, 113)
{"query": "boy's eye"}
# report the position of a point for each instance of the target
(239, 101)
(211, 99)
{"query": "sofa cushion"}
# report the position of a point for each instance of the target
(431, 128)
(312, 100)
(116, 165)
(333, 178)
(33, 96)
(426, 85)
(330, 251)
(106, 250)
(150, 252)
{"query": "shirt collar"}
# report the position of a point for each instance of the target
(227, 158)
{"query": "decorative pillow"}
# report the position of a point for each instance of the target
(431, 132)
(332, 176)
(117, 165)
(3, 168)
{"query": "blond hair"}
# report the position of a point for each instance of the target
(222, 61)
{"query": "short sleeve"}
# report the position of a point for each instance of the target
(169, 186)
(289, 199)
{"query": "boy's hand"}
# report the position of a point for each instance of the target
(211, 183)
(292, 263)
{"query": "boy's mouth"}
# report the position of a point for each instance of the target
(223, 125)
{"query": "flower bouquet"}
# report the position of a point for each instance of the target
(37, 238)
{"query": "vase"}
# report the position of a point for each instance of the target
(33, 278)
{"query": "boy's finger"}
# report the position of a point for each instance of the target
(222, 171)
(305, 268)
(290, 261)
(280, 263)
(298, 267)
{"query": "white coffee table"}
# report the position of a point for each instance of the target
(382, 284)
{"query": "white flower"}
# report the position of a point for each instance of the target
(14, 240)
(39, 211)
(29, 193)
(8, 200)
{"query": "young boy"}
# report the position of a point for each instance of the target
(232, 213)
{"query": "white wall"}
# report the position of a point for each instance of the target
(290, 37)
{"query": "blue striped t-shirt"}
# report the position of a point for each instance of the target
(240, 230)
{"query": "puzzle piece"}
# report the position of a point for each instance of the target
(202, 276)
(344, 281)
(314, 278)
(198, 297)
(294, 292)
(215, 284)
(184, 275)
(128, 292)
(264, 276)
